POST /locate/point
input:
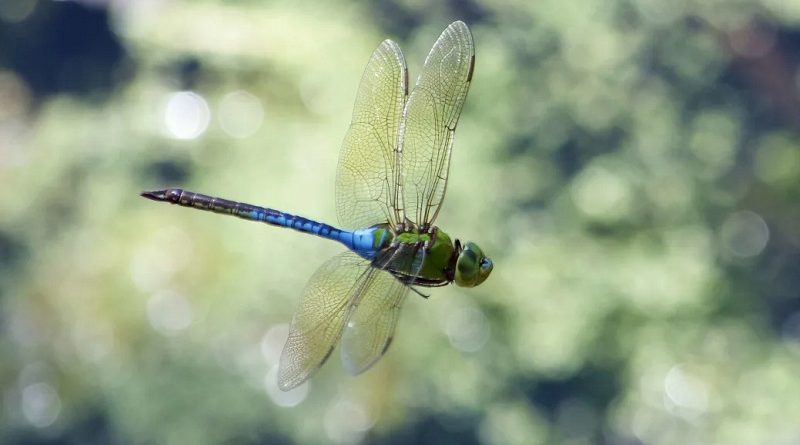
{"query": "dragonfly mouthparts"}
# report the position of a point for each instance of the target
(158, 195)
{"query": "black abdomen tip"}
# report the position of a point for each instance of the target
(171, 195)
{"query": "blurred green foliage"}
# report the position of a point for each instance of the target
(632, 167)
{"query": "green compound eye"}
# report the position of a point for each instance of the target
(472, 267)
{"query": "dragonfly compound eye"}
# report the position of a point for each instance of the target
(472, 267)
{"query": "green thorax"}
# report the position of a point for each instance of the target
(425, 259)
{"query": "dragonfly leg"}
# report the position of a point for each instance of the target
(416, 291)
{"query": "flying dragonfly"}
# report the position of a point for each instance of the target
(390, 184)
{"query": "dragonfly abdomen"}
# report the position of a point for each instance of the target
(360, 241)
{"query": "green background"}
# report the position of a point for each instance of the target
(631, 166)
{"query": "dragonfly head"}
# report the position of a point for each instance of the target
(472, 266)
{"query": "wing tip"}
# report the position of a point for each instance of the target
(353, 367)
(387, 45)
(288, 376)
(288, 382)
(460, 27)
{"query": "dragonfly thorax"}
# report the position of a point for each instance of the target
(428, 257)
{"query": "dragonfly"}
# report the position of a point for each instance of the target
(390, 184)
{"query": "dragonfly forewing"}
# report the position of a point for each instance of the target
(367, 174)
(370, 328)
(320, 317)
(429, 122)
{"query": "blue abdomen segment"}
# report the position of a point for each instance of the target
(360, 241)
(278, 218)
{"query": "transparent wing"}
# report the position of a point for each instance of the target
(367, 175)
(430, 118)
(317, 324)
(370, 328)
